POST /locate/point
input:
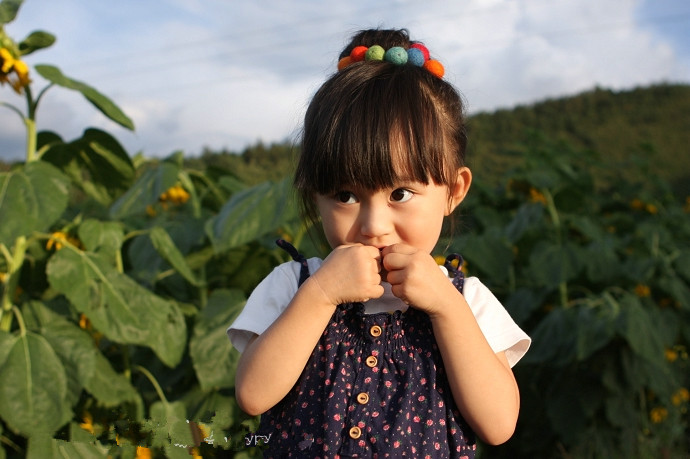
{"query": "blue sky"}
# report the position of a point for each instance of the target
(223, 74)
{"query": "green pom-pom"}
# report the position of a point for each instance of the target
(375, 53)
(396, 55)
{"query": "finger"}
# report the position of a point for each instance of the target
(376, 255)
(398, 248)
(398, 291)
(377, 291)
(393, 277)
(373, 251)
(394, 261)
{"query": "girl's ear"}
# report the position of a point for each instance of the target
(458, 191)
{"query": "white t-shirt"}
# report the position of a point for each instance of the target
(275, 292)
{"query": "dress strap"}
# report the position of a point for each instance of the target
(298, 257)
(455, 273)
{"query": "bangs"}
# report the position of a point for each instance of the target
(384, 130)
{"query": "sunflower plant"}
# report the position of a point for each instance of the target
(112, 334)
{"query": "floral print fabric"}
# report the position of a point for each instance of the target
(374, 386)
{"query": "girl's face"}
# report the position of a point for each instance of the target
(409, 212)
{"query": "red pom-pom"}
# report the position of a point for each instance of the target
(423, 49)
(357, 53)
(435, 68)
(344, 62)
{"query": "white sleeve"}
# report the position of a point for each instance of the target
(499, 329)
(268, 300)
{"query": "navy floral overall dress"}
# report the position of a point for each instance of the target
(374, 386)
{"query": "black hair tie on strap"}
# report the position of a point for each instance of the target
(455, 273)
(298, 257)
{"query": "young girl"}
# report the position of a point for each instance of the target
(375, 351)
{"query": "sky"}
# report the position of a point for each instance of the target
(225, 75)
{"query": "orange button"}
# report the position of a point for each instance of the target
(375, 330)
(362, 398)
(355, 432)
(371, 361)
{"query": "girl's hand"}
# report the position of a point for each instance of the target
(350, 274)
(416, 278)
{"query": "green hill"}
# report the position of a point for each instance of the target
(649, 124)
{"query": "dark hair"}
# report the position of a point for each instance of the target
(370, 112)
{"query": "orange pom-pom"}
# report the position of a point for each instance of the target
(344, 62)
(357, 53)
(435, 68)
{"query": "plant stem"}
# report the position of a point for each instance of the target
(20, 320)
(30, 122)
(203, 290)
(14, 261)
(13, 108)
(118, 262)
(30, 140)
(556, 220)
(155, 384)
(127, 363)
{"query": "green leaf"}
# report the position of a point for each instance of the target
(551, 264)
(250, 264)
(101, 102)
(33, 387)
(522, 303)
(527, 217)
(489, 252)
(217, 412)
(601, 261)
(145, 191)
(589, 226)
(6, 343)
(85, 365)
(96, 163)
(8, 10)
(678, 289)
(682, 264)
(552, 340)
(117, 306)
(595, 329)
(36, 40)
(251, 214)
(44, 447)
(165, 246)
(32, 198)
(45, 139)
(569, 414)
(639, 329)
(212, 354)
(105, 238)
(168, 424)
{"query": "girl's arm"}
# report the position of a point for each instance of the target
(273, 361)
(482, 382)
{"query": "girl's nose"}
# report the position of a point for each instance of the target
(375, 220)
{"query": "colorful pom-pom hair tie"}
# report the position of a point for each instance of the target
(417, 55)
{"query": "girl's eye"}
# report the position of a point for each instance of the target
(345, 197)
(401, 195)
